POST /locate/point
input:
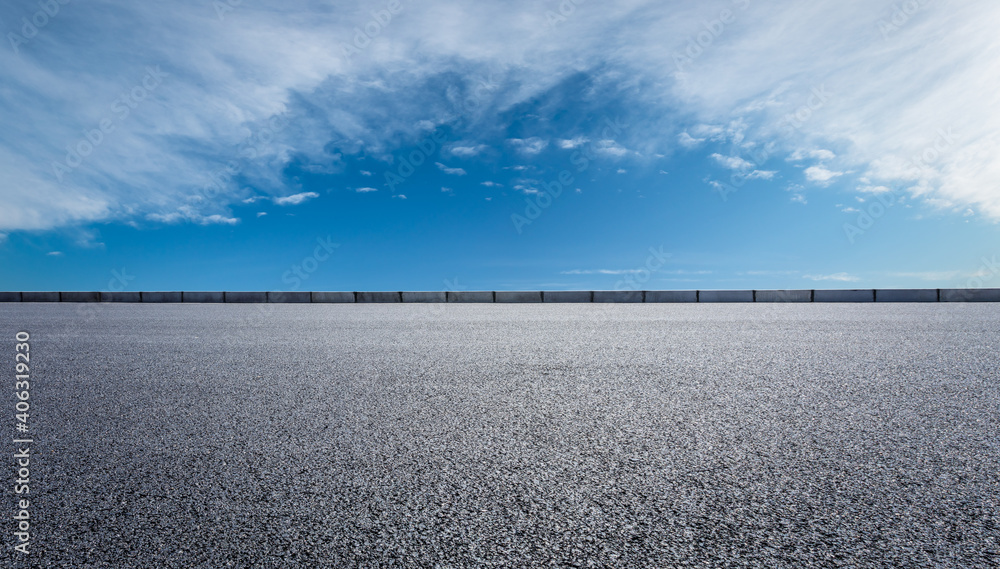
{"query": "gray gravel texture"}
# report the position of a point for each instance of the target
(510, 435)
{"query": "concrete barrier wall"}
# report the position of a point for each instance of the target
(76, 296)
(567, 296)
(518, 296)
(380, 297)
(425, 296)
(855, 295)
(333, 297)
(47, 296)
(783, 296)
(157, 296)
(671, 296)
(970, 295)
(623, 296)
(196, 296)
(522, 296)
(244, 297)
(725, 296)
(289, 297)
(470, 296)
(906, 295)
(118, 296)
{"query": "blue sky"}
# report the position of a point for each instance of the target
(441, 145)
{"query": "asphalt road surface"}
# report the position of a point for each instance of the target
(743, 435)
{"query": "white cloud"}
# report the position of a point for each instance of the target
(467, 151)
(611, 148)
(883, 100)
(451, 171)
(732, 162)
(490, 184)
(217, 219)
(820, 154)
(688, 141)
(529, 146)
(55, 253)
(295, 199)
(366, 173)
(189, 214)
(799, 198)
(938, 276)
(821, 175)
(841, 277)
(873, 190)
(762, 175)
(261, 213)
(622, 171)
(769, 273)
(602, 272)
(913, 108)
(568, 144)
(365, 190)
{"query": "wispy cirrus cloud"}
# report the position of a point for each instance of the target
(451, 171)
(821, 175)
(601, 272)
(839, 277)
(190, 215)
(468, 151)
(267, 90)
(528, 146)
(294, 199)
(571, 143)
(732, 162)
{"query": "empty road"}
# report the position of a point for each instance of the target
(809, 435)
